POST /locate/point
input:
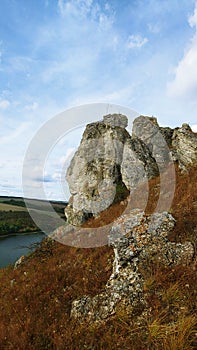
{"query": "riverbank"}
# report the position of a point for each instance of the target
(19, 234)
(13, 246)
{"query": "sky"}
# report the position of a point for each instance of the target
(59, 54)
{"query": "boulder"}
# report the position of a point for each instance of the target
(157, 139)
(184, 143)
(135, 238)
(114, 120)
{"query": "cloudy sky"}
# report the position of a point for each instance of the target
(57, 54)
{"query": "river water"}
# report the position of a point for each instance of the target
(11, 248)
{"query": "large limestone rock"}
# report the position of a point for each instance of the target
(138, 165)
(184, 143)
(134, 238)
(166, 144)
(116, 120)
(107, 158)
(94, 171)
(157, 139)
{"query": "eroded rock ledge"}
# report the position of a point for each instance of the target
(134, 237)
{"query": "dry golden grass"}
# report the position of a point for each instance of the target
(9, 207)
(35, 299)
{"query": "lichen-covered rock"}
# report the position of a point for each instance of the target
(75, 217)
(138, 164)
(116, 120)
(107, 158)
(156, 139)
(167, 133)
(94, 171)
(184, 143)
(135, 238)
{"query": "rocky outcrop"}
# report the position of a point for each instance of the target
(184, 143)
(137, 165)
(107, 158)
(157, 139)
(94, 171)
(134, 237)
(114, 120)
(165, 144)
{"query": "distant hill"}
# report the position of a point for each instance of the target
(15, 218)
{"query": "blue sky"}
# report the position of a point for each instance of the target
(57, 54)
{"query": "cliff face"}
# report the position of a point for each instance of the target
(109, 158)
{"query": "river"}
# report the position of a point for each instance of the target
(11, 248)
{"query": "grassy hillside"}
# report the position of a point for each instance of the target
(35, 299)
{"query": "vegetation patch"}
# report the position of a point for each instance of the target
(36, 298)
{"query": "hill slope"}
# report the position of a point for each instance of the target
(36, 298)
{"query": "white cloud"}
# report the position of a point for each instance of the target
(75, 7)
(13, 135)
(193, 19)
(32, 107)
(69, 154)
(185, 80)
(136, 41)
(154, 28)
(194, 128)
(4, 104)
(20, 63)
(81, 9)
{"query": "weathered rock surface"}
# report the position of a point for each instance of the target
(106, 155)
(94, 171)
(116, 120)
(109, 158)
(184, 143)
(156, 139)
(137, 165)
(134, 237)
(165, 144)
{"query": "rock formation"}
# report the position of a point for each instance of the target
(179, 144)
(109, 158)
(157, 139)
(94, 171)
(137, 164)
(184, 143)
(134, 238)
